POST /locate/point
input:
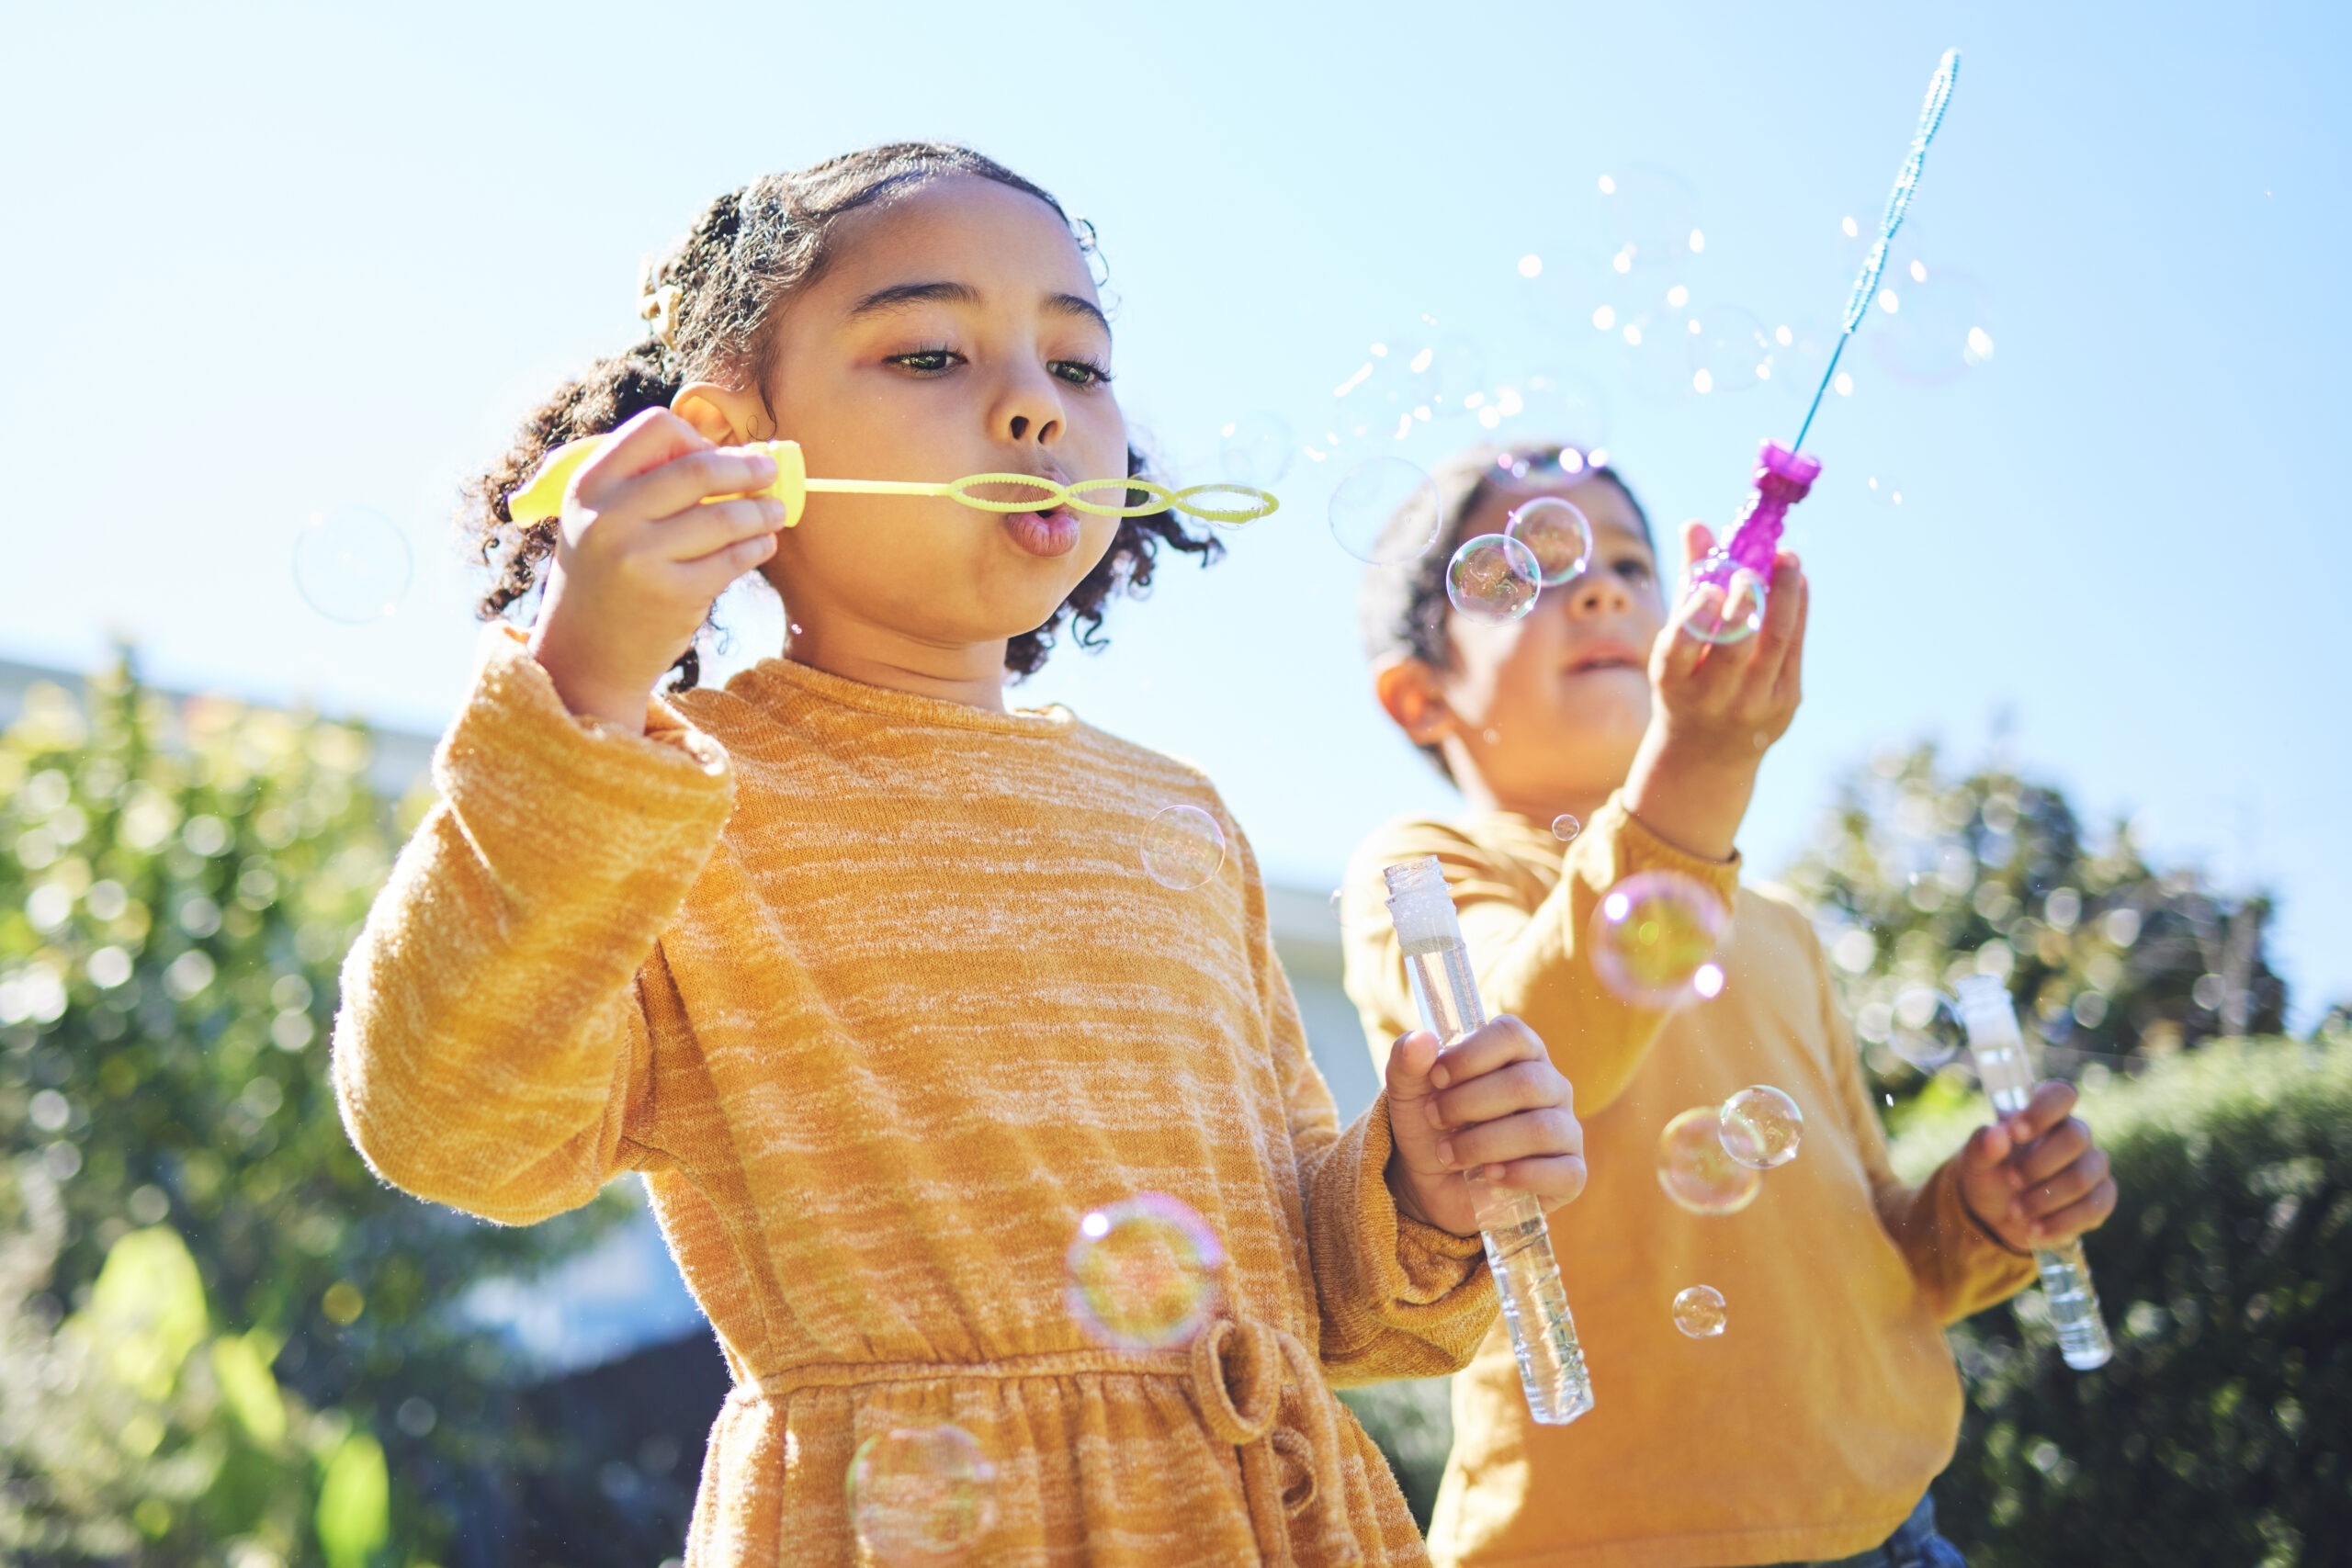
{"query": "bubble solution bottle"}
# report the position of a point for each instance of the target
(1510, 1223)
(1999, 1051)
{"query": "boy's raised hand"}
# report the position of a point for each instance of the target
(2036, 1179)
(1492, 1103)
(642, 557)
(1715, 707)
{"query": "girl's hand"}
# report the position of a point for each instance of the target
(2036, 1179)
(1716, 707)
(640, 558)
(1492, 1103)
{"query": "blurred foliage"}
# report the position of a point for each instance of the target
(1413, 1423)
(2222, 1431)
(1915, 879)
(177, 886)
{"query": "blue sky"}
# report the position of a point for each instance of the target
(271, 260)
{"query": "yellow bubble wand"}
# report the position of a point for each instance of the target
(542, 495)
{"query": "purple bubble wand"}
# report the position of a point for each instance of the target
(1739, 568)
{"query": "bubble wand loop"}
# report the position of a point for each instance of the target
(1738, 568)
(541, 496)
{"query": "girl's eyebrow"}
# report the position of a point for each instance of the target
(899, 296)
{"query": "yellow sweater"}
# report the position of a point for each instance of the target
(1810, 1427)
(875, 991)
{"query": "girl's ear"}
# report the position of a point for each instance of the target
(722, 415)
(1413, 696)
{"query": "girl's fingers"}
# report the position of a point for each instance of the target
(2068, 1187)
(1501, 1041)
(2052, 1153)
(1531, 1135)
(1789, 690)
(2086, 1213)
(687, 480)
(1697, 540)
(713, 573)
(640, 445)
(704, 530)
(1519, 1086)
(1554, 1178)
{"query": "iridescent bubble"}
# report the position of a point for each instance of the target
(1924, 1028)
(1730, 351)
(1493, 577)
(1143, 1274)
(1182, 847)
(1386, 512)
(1650, 934)
(1564, 828)
(1698, 1312)
(352, 565)
(1445, 369)
(1762, 1127)
(1557, 532)
(920, 1495)
(1723, 601)
(1257, 449)
(1696, 1172)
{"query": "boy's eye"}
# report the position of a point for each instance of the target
(927, 361)
(1081, 372)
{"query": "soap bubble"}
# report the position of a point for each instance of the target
(1143, 1274)
(1650, 934)
(1762, 1127)
(1182, 848)
(1493, 577)
(1569, 404)
(1257, 450)
(1564, 828)
(1386, 512)
(1698, 1312)
(1650, 220)
(352, 564)
(1696, 1172)
(920, 1496)
(1730, 351)
(1939, 327)
(1924, 1028)
(1446, 368)
(1558, 533)
(1723, 601)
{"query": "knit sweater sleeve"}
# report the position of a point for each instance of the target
(492, 1050)
(1395, 1297)
(1960, 1267)
(1533, 958)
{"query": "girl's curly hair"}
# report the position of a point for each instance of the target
(749, 253)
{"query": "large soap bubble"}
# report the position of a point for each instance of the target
(1557, 532)
(1762, 1127)
(1698, 1312)
(1493, 577)
(1386, 512)
(1651, 933)
(352, 564)
(1143, 1274)
(1182, 847)
(920, 1496)
(1696, 1172)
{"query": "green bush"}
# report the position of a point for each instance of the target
(2222, 1432)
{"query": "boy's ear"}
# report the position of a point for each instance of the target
(722, 415)
(1413, 696)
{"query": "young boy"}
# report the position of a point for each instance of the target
(1809, 1430)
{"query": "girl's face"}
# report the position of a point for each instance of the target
(1551, 708)
(955, 331)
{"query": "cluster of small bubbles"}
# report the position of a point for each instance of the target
(1762, 1127)
(1650, 934)
(1182, 847)
(1257, 449)
(1556, 532)
(1493, 577)
(1696, 1172)
(1723, 601)
(1143, 1274)
(1731, 351)
(1386, 512)
(1564, 828)
(920, 1495)
(1698, 1312)
(1924, 1028)
(352, 565)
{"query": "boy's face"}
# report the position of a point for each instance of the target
(1546, 712)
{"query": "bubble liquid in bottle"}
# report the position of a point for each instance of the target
(1997, 1050)
(1510, 1223)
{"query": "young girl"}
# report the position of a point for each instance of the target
(863, 971)
(1811, 1429)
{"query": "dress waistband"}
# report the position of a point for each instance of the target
(1243, 1377)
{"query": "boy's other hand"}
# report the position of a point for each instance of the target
(2036, 1179)
(1717, 706)
(1491, 1103)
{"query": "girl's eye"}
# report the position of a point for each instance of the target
(928, 361)
(1634, 569)
(1081, 372)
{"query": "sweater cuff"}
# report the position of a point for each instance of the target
(1401, 1259)
(517, 764)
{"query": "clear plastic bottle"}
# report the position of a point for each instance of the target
(1510, 1223)
(1998, 1050)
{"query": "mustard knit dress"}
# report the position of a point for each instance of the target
(875, 991)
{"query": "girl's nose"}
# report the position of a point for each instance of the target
(1597, 591)
(1030, 408)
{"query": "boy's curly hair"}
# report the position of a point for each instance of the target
(1401, 610)
(747, 254)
